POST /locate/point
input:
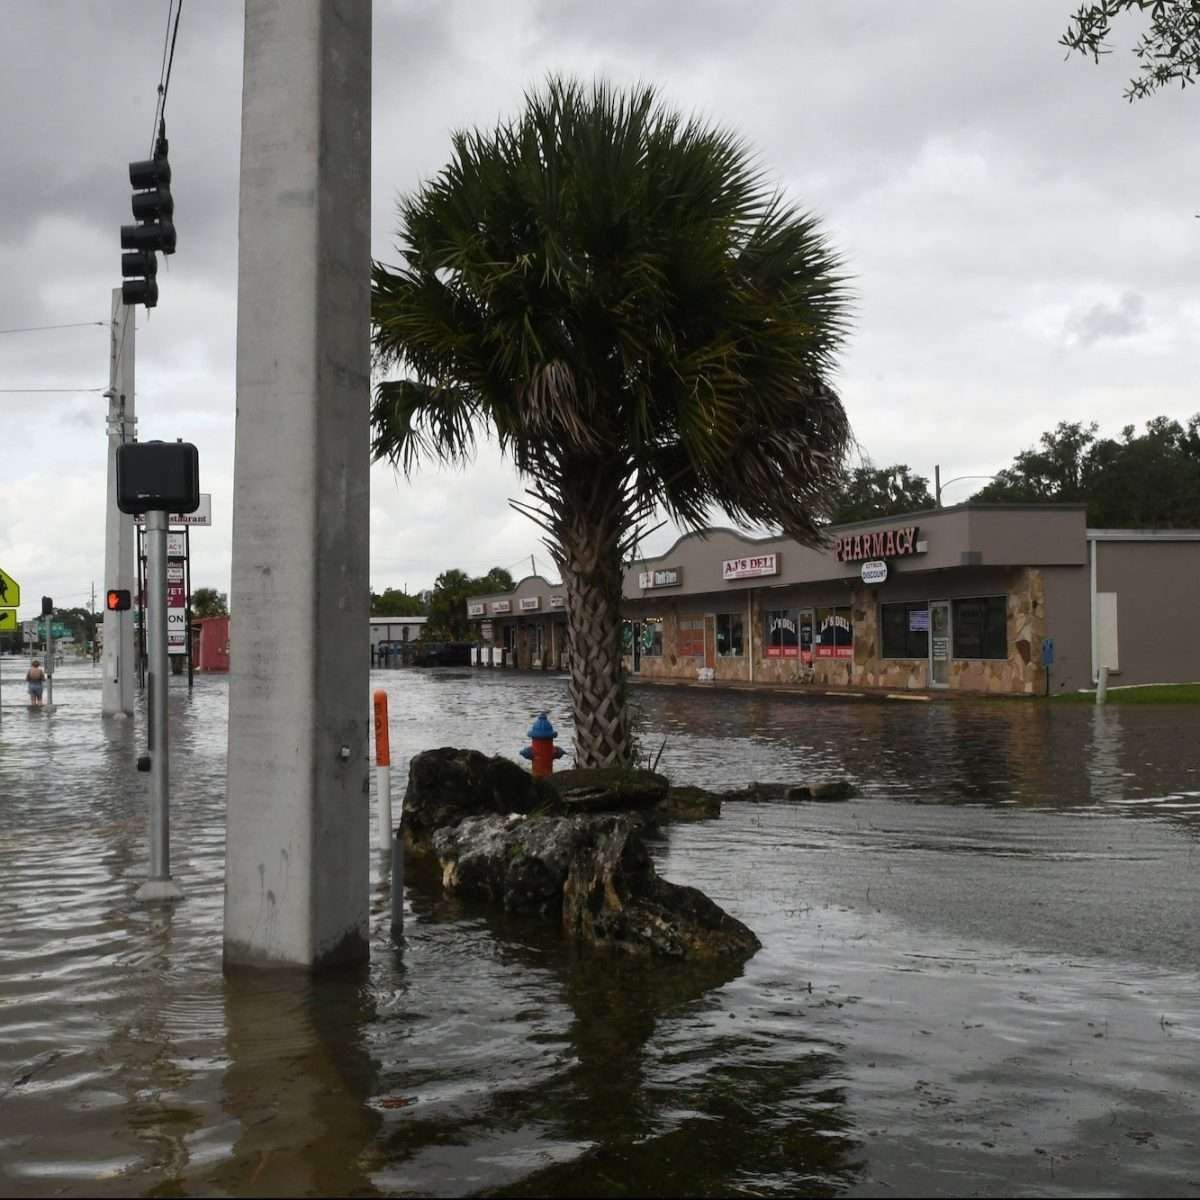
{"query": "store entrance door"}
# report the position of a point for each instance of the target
(939, 643)
(806, 638)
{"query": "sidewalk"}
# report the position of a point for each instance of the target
(821, 691)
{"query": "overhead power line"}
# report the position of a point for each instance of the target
(164, 72)
(42, 328)
(31, 391)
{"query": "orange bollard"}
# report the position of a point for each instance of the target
(383, 752)
(383, 771)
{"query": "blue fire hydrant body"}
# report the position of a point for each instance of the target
(542, 751)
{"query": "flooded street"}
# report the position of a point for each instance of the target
(981, 976)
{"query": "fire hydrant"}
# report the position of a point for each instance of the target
(542, 752)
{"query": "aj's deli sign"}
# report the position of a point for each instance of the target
(889, 543)
(750, 568)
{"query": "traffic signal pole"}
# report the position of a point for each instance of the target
(117, 692)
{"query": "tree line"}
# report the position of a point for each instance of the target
(1148, 480)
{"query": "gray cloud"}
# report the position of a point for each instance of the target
(1108, 322)
(992, 201)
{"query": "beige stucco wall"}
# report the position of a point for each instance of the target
(1068, 622)
(1158, 608)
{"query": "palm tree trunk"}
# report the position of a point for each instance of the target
(589, 533)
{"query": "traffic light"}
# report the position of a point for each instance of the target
(47, 606)
(153, 207)
(117, 600)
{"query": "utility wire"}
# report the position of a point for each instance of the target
(30, 391)
(41, 328)
(162, 74)
(171, 60)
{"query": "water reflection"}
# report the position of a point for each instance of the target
(1106, 783)
(996, 955)
(296, 1084)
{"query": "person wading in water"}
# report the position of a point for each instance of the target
(35, 677)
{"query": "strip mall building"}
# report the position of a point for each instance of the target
(976, 598)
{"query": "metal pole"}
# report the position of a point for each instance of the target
(159, 885)
(187, 600)
(937, 484)
(49, 661)
(397, 885)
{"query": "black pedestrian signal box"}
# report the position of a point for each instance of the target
(117, 600)
(158, 477)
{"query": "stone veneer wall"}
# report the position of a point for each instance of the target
(1022, 672)
(1019, 674)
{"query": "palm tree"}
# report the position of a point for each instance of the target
(617, 295)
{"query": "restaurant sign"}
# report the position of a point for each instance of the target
(888, 543)
(476, 610)
(750, 568)
(558, 602)
(530, 603)
(501, 606)
(664, 577)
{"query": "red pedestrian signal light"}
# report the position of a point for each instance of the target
(117, 599)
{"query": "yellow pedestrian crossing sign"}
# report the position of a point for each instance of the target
(10, 591)
(8, 620)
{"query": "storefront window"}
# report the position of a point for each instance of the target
(834, 634)
(980, 627)
(690, 640)
(905, 630)
(652, 637)
(782, 634)
(729, 635)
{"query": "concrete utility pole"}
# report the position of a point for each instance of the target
(116, 696)
(297, 824)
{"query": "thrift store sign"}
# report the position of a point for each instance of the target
(890, 543)
(664, 577)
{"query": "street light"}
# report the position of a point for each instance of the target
(938, 485)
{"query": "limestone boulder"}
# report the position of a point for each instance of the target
(608, 789)
(594, 874)
(689, 804)
(613, 897)
(790, 793)
(448, 785)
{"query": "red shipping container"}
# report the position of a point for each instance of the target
(213, 654)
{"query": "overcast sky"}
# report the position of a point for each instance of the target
(1023, 240)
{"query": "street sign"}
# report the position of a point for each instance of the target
(202, 515)
(57, 630)
(8, 620)
(10, 591)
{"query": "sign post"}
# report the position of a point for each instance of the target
(10, 597)
(155, 478)
(162, 886)
(1047, 659)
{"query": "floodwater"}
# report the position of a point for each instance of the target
(979, 977)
